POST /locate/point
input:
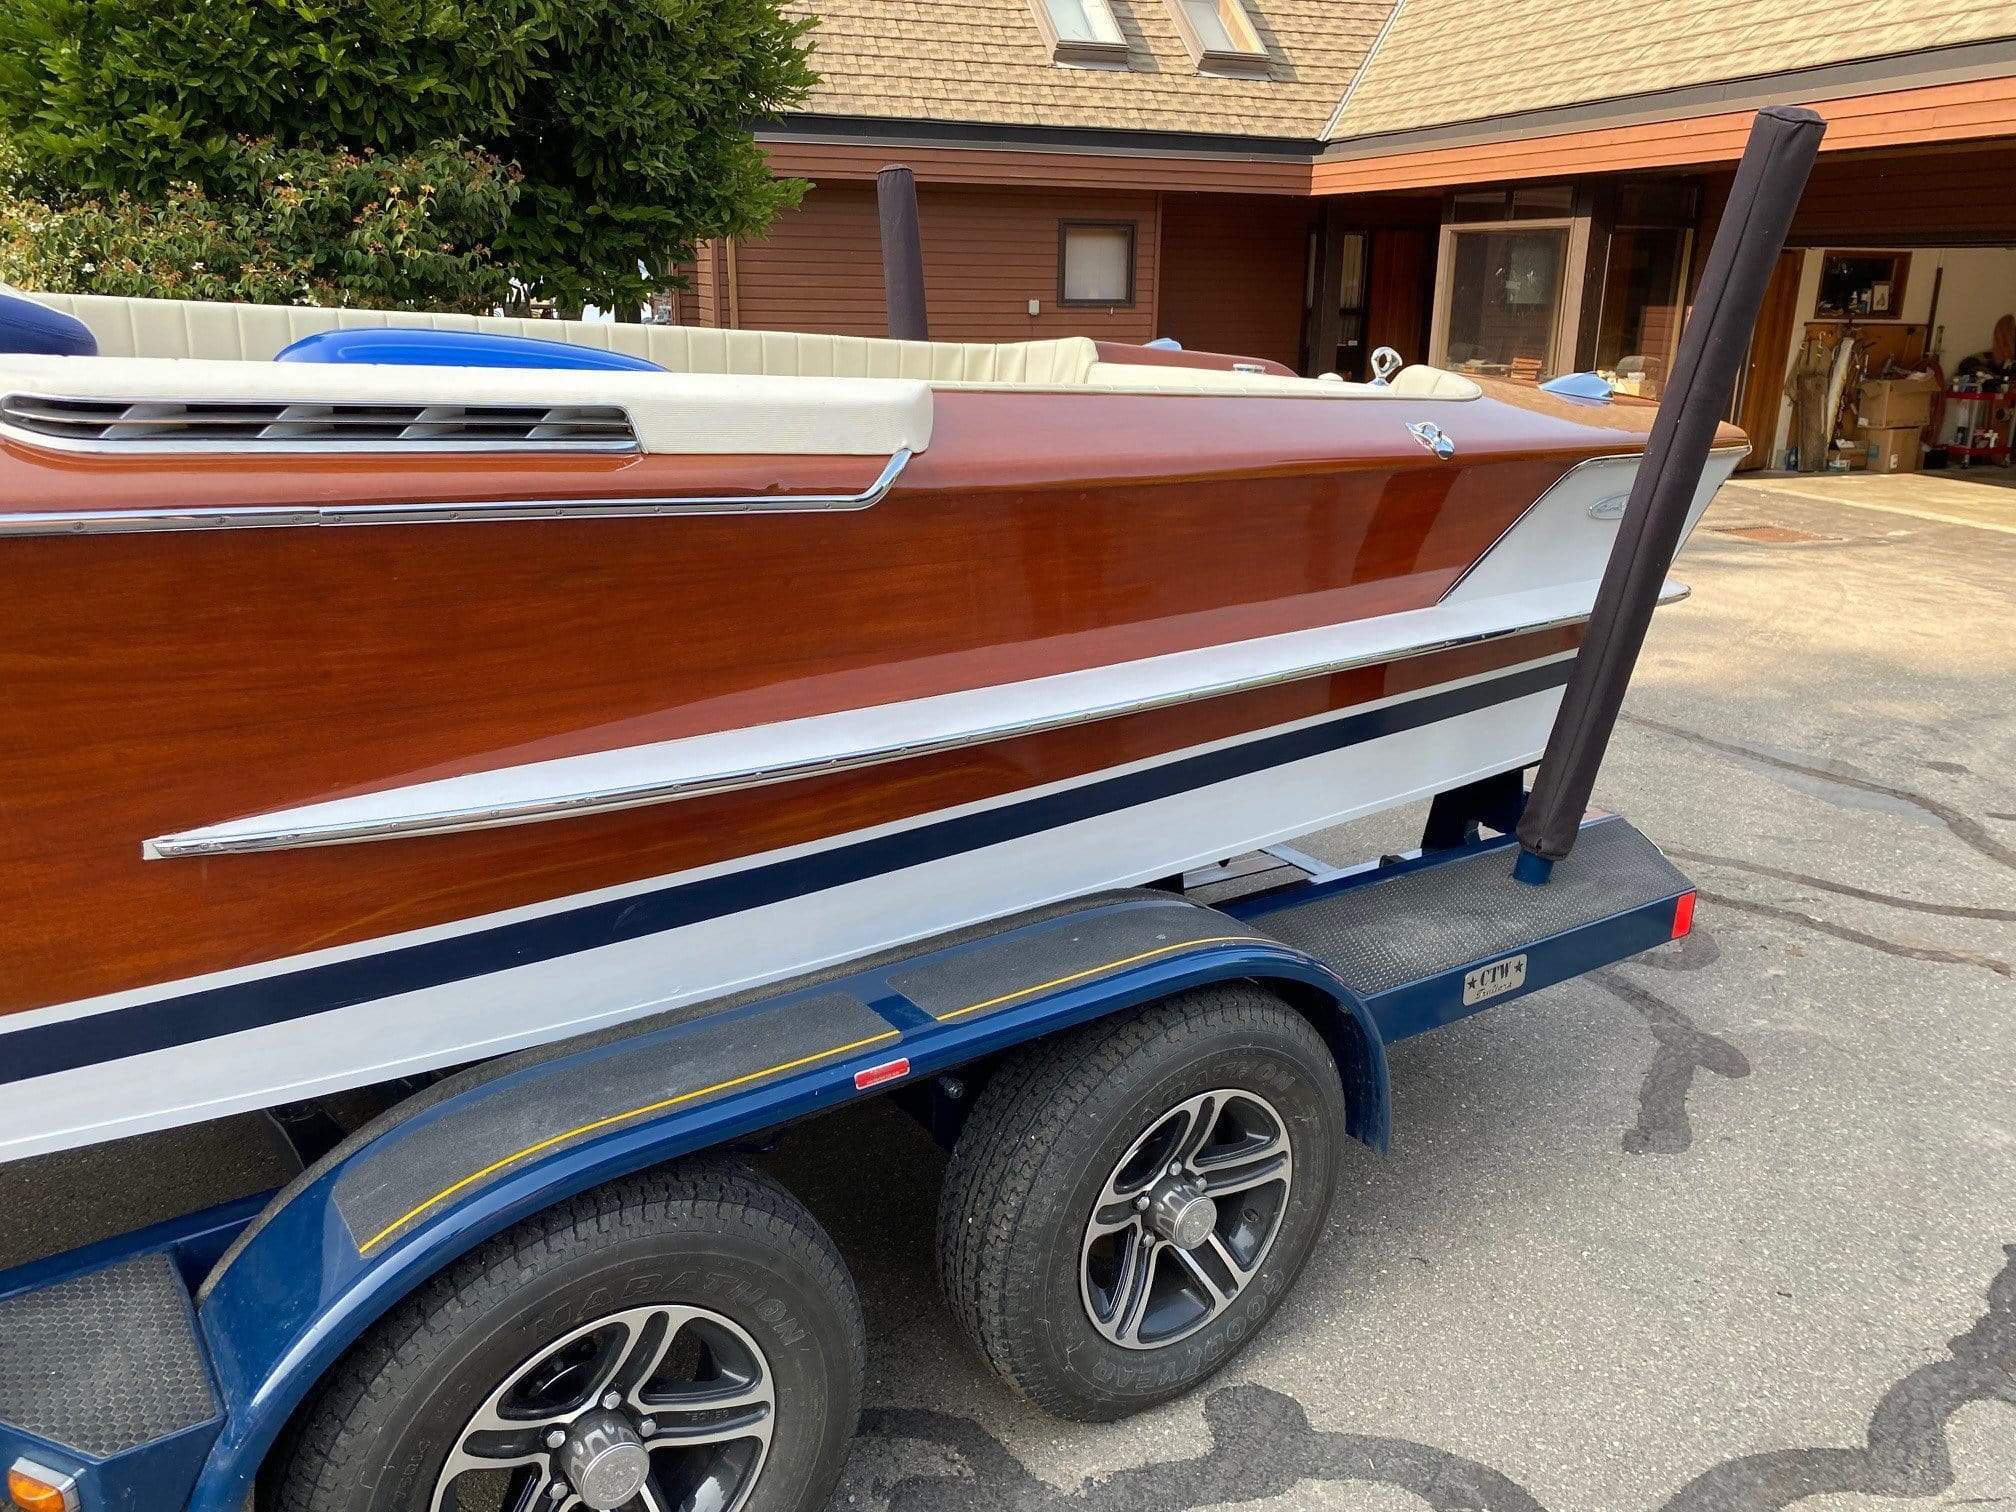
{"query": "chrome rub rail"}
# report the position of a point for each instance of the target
(270, 516)
(638, 795)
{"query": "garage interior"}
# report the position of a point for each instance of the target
(1916, 415)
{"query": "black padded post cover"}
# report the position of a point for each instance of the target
(902, 253)
(1783, 143)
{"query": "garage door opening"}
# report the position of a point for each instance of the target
(1897, 365)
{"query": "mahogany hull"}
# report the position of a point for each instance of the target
(161, 682)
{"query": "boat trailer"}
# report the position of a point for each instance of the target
(160, 1370)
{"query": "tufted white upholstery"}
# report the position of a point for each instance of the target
(254, 333)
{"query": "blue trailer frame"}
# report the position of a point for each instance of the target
(277, 1289)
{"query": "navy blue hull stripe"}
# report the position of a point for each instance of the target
(207, 1013)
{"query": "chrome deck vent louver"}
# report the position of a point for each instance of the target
(174, 425)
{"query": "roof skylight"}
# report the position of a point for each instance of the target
(1221, 37)
(1081, 31)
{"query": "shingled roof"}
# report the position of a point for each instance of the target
(1447, 61)
(984, 61)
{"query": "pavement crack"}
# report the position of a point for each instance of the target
(1844, 889)
(1905, 1454)
(1937, 953)
(1663, 1127)
(1964, 827)
(1261, 1445)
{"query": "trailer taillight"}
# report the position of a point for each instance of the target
(37, 1488)
(1683, 915)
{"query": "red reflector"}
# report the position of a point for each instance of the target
(1683, 915)
(888, 1071)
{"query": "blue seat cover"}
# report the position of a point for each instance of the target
(419, 347)
(26, 326)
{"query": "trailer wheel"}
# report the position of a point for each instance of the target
(683, 1341)
(1127, 1205)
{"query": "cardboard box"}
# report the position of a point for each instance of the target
(1894, 449)
(1888, 403)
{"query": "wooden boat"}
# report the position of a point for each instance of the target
(364, 720)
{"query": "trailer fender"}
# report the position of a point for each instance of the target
(408, 1195)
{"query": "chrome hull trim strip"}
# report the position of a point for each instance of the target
(128, 521)
(957, 720)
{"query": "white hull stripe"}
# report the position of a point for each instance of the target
(55, 1046)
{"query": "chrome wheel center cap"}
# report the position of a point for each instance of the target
(604, 1460)
(1182, 1214)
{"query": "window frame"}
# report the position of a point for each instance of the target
(1256, 63)
(1133, 229)
(1064, 49)
(1571, 318)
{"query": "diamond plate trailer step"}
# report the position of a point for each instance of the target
(106, 1365)
(1425, 941)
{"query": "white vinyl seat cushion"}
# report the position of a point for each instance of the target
(711, 414)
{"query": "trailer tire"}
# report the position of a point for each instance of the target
(1078, 1153)
(704, 1276)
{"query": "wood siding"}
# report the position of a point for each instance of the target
(1967, 110)
(986, 255)
(1018, 168)
(1953, 196)
(1232, 273)
(1975, 109)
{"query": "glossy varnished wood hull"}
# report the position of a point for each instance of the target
(161, 681)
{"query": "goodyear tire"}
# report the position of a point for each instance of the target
(684, 1339)
(1126, 1206)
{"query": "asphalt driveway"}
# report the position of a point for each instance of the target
(1722, 1228)
(1732, 1226)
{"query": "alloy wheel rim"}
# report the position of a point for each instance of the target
(651, 1409)
(1185, 1219)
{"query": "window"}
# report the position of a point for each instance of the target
(1509, 283)
(1081, 31)
(1533, 202)
(1639, 328)
(1503, 307)
(1350, 353)
(1644, 286)
(1095, 262)
(1220, 36)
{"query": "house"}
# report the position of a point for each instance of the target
(1520, 186)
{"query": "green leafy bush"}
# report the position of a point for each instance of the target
(302, 226)
(451, 152)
